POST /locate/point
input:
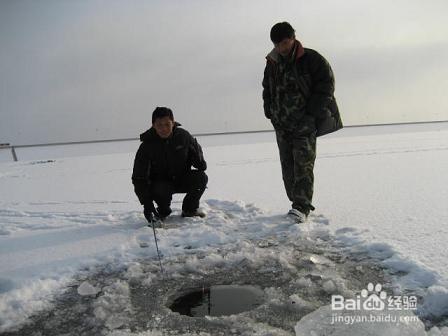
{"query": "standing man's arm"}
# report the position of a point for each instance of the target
(322, 87)
(267, 92)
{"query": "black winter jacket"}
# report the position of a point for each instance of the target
(164, 159)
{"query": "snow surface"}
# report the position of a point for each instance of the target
(384, 193)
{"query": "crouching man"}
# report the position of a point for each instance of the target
(163, 166)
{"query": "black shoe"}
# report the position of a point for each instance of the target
(194, 213)
(163, 212)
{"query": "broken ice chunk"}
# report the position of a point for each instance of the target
(87, 289)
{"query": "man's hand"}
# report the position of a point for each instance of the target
(150, 212)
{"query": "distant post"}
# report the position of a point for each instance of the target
(14, 155)
(13, 150)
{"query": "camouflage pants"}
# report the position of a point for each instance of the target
(297, 156)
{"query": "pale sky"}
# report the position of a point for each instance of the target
(96, 69)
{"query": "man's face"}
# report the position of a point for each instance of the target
(285, 46)
(163, 126)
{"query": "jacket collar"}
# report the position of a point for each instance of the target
(274, 56)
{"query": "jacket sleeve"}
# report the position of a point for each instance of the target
(267, 91)
(322, 87)
(140, 176)
(196, 155)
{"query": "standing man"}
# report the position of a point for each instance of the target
(163, 166)
(298, 87)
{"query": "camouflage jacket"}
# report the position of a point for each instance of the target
(298, 93)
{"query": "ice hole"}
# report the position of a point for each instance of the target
(218, 300)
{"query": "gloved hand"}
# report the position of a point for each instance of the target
(150, 212)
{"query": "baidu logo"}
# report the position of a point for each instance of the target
(372, 305)
(374, 297)
(371, 298)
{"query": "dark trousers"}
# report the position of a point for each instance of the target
(193, 184)
(297, 156)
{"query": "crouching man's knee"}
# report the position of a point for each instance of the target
(199, 179)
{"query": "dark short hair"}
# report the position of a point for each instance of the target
(162, 112)
(281, 31)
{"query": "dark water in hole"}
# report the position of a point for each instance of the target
(218, 300)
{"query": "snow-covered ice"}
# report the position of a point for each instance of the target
(380, 198)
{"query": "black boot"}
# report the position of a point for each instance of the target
(194, 213)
